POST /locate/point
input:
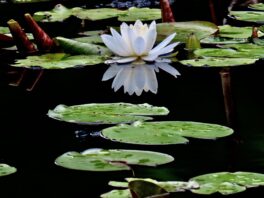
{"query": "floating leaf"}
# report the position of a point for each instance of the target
(58, 61)
(95, 39)
(111, 160)
(218, 62)
(169, 186)
(257, 6)
(105, 113)
(4, 30)
(201, 29)
(227, 183)
(166, 132)
(61, 13)
(143, 189)
(228, 31)
(75, 47)
(248, 16)
(222, 40)
(232, 51)
(117, 194)
(143, 14)
(6, 170)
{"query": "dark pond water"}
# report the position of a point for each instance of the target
(31, 141)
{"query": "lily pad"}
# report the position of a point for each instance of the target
(227, 183)
(169, 186)
(58, 61)
(232, 51)
(111, 160)
(164, 133)
(95, 39)
(201, 29)
(143, 14)
(257, 6)
(143, 189)
(6, 170)
(218, 62)
(213, 40)
(248, 16)
(4, 30)
(76, 47)
(106, 113)
(60, 13)
(228, 31)
(117, 194)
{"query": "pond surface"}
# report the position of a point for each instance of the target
(30, 140)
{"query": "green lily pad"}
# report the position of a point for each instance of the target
(6, 170)
(222, 40)
(106, 113)
(143, 14)
(169, 186)
(61, 13)
(143, 189)
(58, 61)
(76, 47)
(232, 51)
(218, 62)
(201, 29)
(96, 39)
(163, 133)
(227, 183)
(228, 31)
(257, 6)
(4, 30)
(117, 194)
(248, 16)
(111, 160)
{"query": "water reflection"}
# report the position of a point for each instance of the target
(137, 77)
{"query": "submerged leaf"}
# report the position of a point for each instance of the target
(106, 113)
(166, 132)
(58, 61)
(111, 160)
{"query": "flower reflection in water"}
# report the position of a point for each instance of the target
(137, 76)
(136, 59)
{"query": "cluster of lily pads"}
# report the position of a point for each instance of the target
(133, 125)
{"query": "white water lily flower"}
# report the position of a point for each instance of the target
(134, 50)
(136, 43)
(137, 77)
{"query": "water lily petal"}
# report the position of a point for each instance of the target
(111, 72)
(150, 57)
(139, 46)
(162, 44)
(167, 49)
(168, 68)
(118, 38)
(124, 28)
(125, 60)
(112, 44)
